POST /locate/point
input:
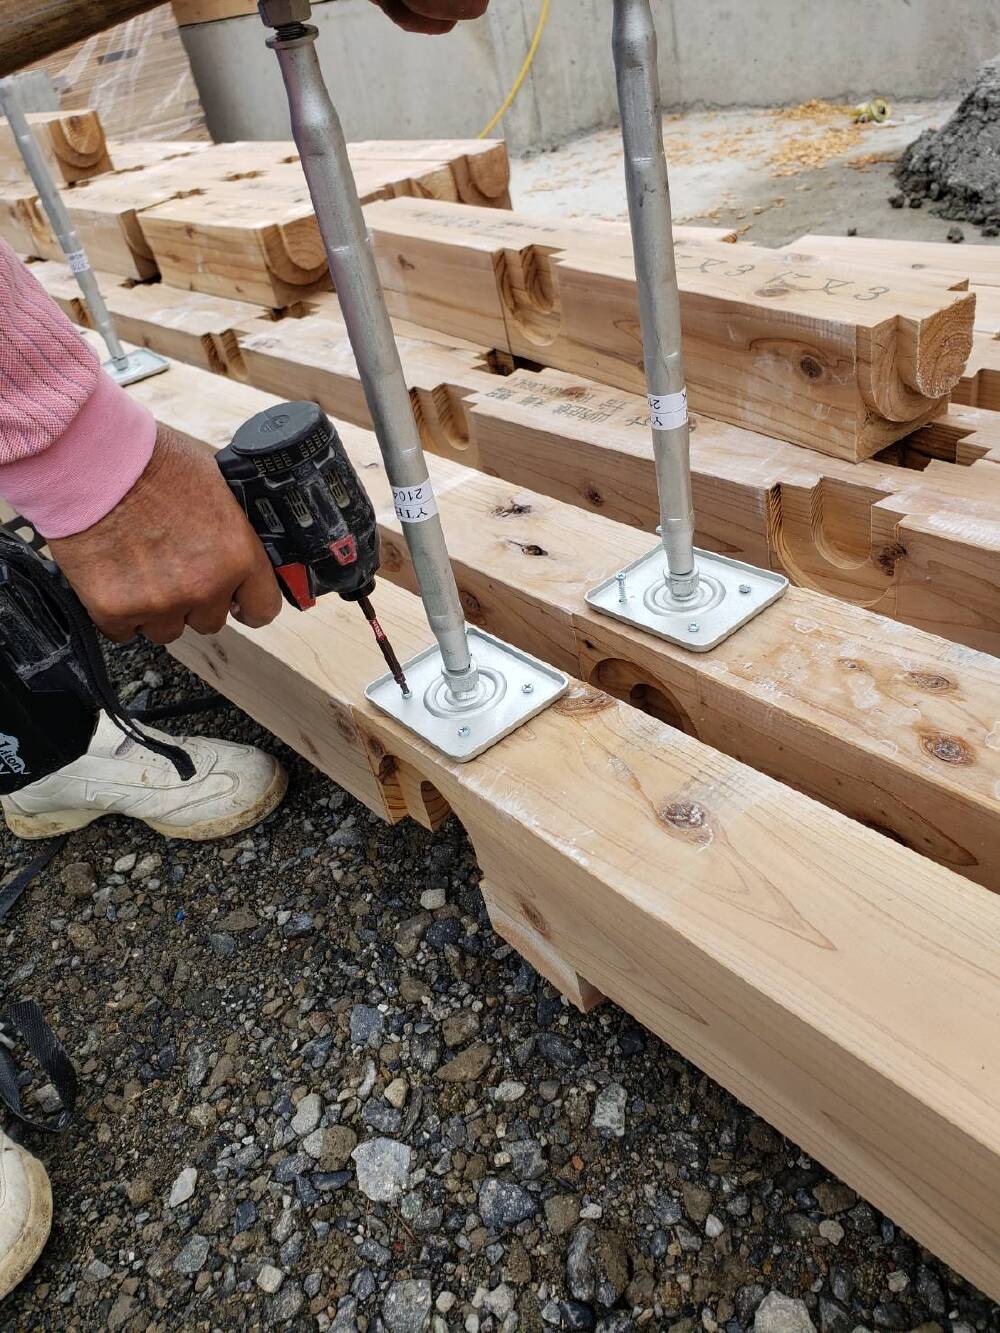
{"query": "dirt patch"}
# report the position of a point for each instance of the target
(957, 167)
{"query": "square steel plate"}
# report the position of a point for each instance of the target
(730, 593)
(514, 687)
(141, 364)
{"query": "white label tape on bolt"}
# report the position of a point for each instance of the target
(667, 411)
(415, 504)
(78, 261)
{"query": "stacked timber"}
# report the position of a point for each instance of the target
(72, 143)
(466, 171)
(74, 148)
(825, 357)
(236, 220)
(189, 326)
(868, 532)
(681, 862)
(137, 76)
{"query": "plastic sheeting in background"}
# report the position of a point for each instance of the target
(136, 76)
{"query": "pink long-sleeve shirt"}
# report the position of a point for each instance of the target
(72, 443)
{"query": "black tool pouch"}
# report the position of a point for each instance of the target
(53, 679)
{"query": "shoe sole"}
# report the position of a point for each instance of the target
(21, 1257)
(56, 822)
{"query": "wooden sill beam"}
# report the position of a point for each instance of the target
(865, 532)
(840, 985)
(843, 986)
(843, 362)
(895, 727)
(978, 264)
(980, 383)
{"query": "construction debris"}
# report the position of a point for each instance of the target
(957, 167)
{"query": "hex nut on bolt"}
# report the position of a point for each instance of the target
(284, 13)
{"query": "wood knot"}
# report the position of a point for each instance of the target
(949, 749)
(584, 702)
(811, 368)
(574, 391)
(219, 651)
(687, 815)
(392, 557)
(534, 918)
(930, 681)
(687, 819)
(405, 263)
(530, 548)
(593, 497)
(511, 510)
(886, 558)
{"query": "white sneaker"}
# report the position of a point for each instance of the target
(25, 1212)
(234, 787)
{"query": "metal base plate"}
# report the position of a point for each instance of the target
(729, 594)
(513, 688)
(141, 363)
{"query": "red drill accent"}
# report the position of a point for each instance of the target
(344, 550)
(296, 580)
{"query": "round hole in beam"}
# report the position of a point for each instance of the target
(654, 701)
(627, 682)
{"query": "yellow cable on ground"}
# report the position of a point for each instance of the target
(542, 19)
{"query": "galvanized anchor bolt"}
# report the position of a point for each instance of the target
(465, 731)
(745, 589)
(527, 688)
(694, 627)
(620, 576)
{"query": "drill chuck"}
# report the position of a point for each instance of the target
(291, 474)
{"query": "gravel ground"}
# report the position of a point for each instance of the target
(319, 1092)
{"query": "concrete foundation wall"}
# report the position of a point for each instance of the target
(388, 84)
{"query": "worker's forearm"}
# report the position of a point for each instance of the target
(33, 29)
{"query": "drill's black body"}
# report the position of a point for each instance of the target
(288, 469)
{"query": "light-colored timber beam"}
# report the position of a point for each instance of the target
(842, 986)
(869, 533)
(895, 727)
(845, 987)
(72, 143)
(843, 362)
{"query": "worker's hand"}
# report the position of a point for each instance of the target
(431, 16)
(176, 551)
